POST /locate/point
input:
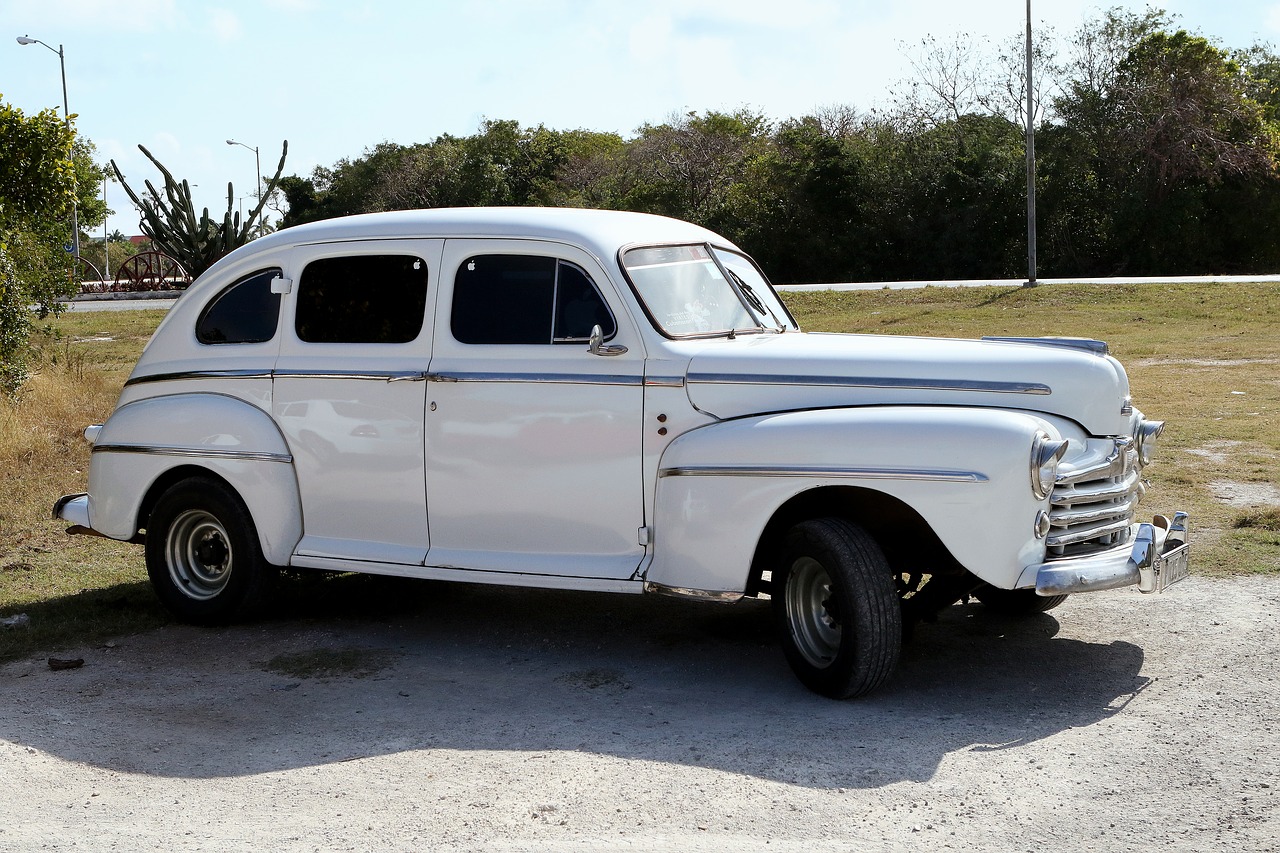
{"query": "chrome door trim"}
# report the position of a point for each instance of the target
(538, 378)
(826, 473)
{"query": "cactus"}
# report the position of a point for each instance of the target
(172, 225)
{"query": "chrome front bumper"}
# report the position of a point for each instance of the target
(1154, 558)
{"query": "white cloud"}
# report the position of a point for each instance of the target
(95, 15)
(649, 38)
(225, 25)
(795, 14)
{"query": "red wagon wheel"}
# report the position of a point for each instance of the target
(151, 271)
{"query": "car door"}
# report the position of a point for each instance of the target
(349, 395)
(533, 442)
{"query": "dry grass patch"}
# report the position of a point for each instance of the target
(74, 589)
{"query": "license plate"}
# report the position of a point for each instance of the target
(1172, 566)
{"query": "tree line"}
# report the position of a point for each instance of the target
(1157, 154)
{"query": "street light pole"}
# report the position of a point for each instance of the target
(256, 162)
(106, 245)
(1031, 165)
(66, 115)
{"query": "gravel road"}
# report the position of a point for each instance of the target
(468, 718)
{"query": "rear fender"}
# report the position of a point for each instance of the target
(145, 441)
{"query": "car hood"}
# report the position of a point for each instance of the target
(759, 374)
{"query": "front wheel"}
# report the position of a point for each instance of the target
(836, 609)
(202, 552)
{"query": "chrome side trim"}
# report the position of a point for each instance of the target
(825, 473)
(664, 381)
(207, 452)
(375, 375)
(883, 382)
(718, 596)
(1086, 344)
(199, 374)
(399, 376)
(538, 378)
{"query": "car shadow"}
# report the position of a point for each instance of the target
(358, 667)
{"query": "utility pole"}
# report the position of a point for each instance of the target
(1031, 164)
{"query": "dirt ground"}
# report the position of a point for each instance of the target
(469, 718)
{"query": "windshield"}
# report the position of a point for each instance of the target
(686, 293)
(762, 298)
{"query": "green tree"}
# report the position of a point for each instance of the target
(502, 164)
(1163, 158)
(687, 166)
(37, 186)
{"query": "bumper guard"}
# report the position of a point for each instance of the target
(1156, 557)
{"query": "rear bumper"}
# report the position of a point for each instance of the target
(73, 508)
(1155, 557)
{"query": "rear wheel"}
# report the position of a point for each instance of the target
(1016, 602)
(836, 609)
(202, 552)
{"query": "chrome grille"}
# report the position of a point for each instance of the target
(1093, 504)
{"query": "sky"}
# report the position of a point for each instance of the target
(335, 78)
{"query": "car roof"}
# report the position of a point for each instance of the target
(602, 232)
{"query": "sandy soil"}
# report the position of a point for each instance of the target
(467, 718)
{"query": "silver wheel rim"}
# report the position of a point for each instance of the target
(815, 630)
(198, 552)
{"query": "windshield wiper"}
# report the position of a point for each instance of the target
(756, 302)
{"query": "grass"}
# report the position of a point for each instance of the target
(1206, 358)
(75, 589)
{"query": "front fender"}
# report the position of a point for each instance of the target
(965, 471)
(145, 439)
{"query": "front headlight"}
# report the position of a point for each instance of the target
(1045, 454)
(1145, 437)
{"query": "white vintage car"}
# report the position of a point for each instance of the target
(618, 402)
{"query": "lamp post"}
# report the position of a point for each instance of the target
(1031, 165)
(256, 162)
(106, 245)
(66, 115)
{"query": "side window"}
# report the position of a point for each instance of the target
(247, 312)
(362, 299)
(579, 306)
(520, 299)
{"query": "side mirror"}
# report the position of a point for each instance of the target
(597, 346)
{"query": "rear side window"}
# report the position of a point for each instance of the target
(522, 299)
(362, 299)
(247, 312)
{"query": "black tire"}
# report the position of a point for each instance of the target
(836, 609)
(203, 556)
(1016, 602)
